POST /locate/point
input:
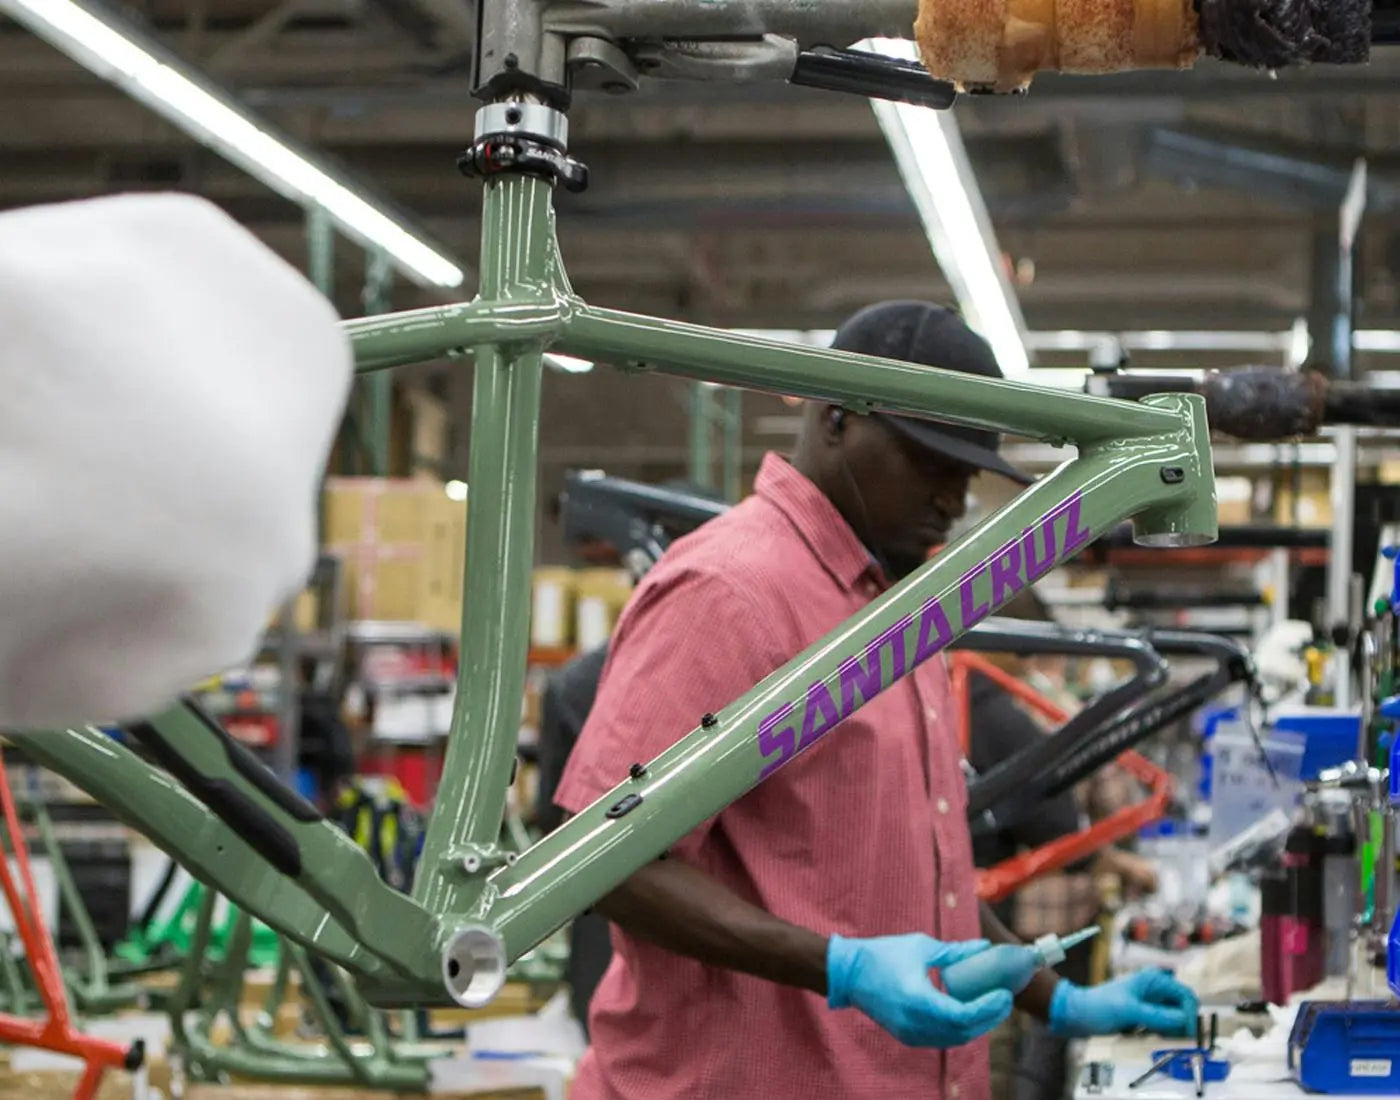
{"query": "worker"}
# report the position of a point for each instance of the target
(999, 731)
(783, 948)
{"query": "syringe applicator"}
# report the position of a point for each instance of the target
(1009, 966)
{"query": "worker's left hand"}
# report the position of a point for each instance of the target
(1150, 999)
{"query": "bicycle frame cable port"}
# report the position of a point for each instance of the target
(474, 965)
(522, 137)
(1195, 522)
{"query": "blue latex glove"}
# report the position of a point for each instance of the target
(887, 978)
(1150, 999)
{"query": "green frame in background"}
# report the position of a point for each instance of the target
(477, 905)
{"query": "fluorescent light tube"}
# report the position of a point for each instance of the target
(175, 91)
(569, 364)
(928, 150)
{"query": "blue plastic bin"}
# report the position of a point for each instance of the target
(1330, 736)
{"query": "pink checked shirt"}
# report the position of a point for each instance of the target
(862, 835)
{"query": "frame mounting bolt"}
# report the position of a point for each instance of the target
(513, 115)
(709, 721)
(636, 771)
(510, 61)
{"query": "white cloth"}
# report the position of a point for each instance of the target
(169, 391)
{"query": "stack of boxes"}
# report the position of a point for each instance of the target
(576, 609)
(572, 611)
(403, 543)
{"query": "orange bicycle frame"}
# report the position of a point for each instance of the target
(57, 1032)
(999, 882)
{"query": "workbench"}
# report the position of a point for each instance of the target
(1263, 1075)
(1131, 1058)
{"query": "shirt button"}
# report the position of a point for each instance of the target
(942, 805)
(953, 1091)
(950, 899)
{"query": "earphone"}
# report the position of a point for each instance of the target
(837, 419)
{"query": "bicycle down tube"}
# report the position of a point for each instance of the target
(476, 906)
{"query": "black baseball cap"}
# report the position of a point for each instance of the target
(921, 332)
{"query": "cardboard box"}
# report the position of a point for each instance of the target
(1314, 499)
(403, 543)
(600, 596)
(552, 607)
(1234, 498)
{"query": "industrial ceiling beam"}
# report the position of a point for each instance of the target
(1282, 171)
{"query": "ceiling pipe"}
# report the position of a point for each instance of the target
(1269, 169)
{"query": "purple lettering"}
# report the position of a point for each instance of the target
(894, 638)
(776, 735)
(1077, 536)
(972, 611)
(865, 677)
(1037, 567)
(935, 631)
(1006, 573)
(1021, 561)
(820, 716)
(860, 676)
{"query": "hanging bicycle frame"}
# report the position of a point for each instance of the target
(475, 906)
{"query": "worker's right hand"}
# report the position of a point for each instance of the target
(887, 978)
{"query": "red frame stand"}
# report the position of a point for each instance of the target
(999, 882)
(57, 1032)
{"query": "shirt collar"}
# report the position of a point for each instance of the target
(816, 519)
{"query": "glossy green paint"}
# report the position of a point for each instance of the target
(209, 992)
(449, 332)
(153, 803)
(711, 767)
(860, 382)
(337, 906)
(518, 262)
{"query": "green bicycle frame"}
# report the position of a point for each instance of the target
(476, 905)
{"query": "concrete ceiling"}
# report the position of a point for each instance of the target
(1123, 200)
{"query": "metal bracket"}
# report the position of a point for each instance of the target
(771, 57)
(595, 64)
(479, 859)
